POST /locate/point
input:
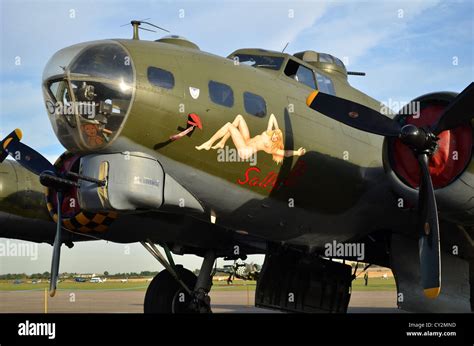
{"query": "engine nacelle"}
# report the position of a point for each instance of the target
(451, 167)
(134, 182)
(74, 217)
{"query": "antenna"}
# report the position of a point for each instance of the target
(286, 45)
(353, 73)
(136, 26)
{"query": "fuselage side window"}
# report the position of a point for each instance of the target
(255, 104)
(160, 78)
(221, 94)
(325, 84)
(300, 73)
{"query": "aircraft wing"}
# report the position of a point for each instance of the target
(23, 211)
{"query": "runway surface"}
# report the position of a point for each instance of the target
(118, 301)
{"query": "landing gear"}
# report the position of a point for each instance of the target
(176, 289)
(166, 295)
(202, 302)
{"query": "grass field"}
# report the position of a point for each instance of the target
(71, 285)
(375, 284)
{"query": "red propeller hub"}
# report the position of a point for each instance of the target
(450, 159)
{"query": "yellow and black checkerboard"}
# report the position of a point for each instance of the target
(84, 221)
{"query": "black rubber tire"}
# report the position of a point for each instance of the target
(165, 294)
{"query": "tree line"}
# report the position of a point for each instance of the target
(46, 275)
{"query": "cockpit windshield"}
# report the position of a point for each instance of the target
(88, 97)
(105, 61)
(261, 61)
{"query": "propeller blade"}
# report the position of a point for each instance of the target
(421, 141)
(56, 249)
(28, 157)
(14, 136)
(458, 112)
(429, 243)
(353, 114)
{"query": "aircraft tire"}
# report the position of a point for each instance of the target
(165, 294)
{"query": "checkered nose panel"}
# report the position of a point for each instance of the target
(85, 222)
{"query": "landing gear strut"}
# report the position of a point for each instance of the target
(176, 289)
(202, 302)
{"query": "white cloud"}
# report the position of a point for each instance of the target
(352, 30)
(405, 80)
(231, 25)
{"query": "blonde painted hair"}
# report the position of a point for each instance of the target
(278, 145)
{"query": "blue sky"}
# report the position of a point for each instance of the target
(407, 48)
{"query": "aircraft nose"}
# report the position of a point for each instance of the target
(88, 89)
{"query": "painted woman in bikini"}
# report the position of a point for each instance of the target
(270, 141)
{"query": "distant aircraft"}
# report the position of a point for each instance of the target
(260, 152)
(243, 271)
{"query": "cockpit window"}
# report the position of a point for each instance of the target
(261, 61)
(89, 101)
(60, 94)
(57, 66)
(325, 84)
(325, 58)
(300, 73)
(107, 61)
(338, 62)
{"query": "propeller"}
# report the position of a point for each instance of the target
(14, 136)
(424, 143)
(48, 176)
(56, 248)
(458, 112)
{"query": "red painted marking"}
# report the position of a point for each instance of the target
(254, 178)
(443, 167)
(196, 120)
